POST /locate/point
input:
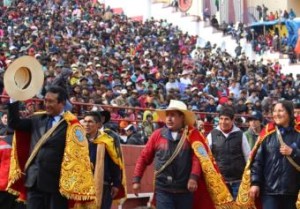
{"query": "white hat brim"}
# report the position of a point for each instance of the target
(189, 116)
(36, 80)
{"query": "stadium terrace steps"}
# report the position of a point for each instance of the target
(190, 24)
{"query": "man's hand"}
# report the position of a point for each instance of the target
(192, 185)
(254, 191)
(285, 150)
(136, 188)
(114, 191)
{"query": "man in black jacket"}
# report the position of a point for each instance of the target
(44, 170)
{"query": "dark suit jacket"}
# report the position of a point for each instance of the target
(44, 171)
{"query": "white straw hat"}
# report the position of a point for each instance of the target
(24, 78)
(189, 116)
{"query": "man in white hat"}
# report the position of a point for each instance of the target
(178, 149)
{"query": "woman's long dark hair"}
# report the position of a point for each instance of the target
(289, 107)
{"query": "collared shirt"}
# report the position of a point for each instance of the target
(57, 118)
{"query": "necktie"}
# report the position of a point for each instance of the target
(49, 123)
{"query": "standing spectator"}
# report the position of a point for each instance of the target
(106, 157)
(265, 11)
(255, 126)
(53, 145)
(274, 164)
(260, 12)
(177, 168)
(229, 144)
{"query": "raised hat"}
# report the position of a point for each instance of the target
(24, 78)
(189, 116)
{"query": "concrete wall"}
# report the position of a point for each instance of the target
(295, 4)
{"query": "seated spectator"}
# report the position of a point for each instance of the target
(148, 126)
(214, 22)
(133, 137)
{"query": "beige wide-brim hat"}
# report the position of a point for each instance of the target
(23, 78)
(189, 116)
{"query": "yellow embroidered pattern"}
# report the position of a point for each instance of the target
(216, 187)
(76, 181)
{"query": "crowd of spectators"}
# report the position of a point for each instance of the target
(264, 15)
(109, 61)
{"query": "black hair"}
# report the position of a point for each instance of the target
(227, 111)
(289, 107)
(95, 115)
(62, 93)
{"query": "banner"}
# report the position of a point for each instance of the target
(196, 8)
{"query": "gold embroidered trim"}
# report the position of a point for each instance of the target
(15, 172)
(76, 180)
(217, 189)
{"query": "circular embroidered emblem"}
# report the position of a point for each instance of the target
(79, 135)
(185, 5)
(202, 151)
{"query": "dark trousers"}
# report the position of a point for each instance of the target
(106, 197)
(43, 200)
(234, 188)
(168, 200)
(7, 200)
(279, 201)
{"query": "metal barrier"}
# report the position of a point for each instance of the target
(207, 117)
